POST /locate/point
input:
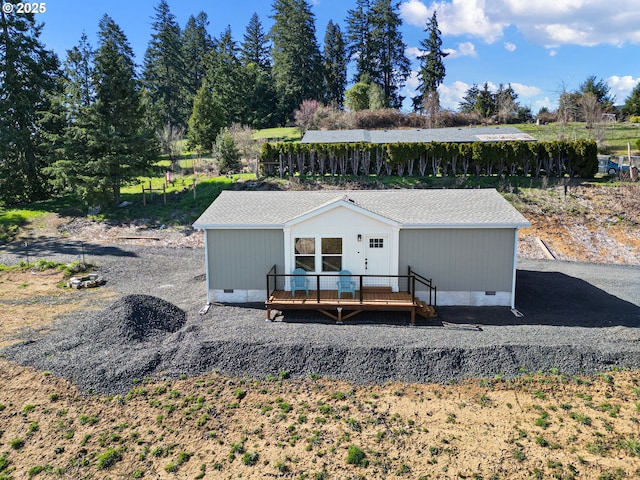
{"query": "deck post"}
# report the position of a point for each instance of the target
(360, 289)
(318, 288)
(339, 316)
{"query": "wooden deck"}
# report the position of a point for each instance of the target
(373, 299)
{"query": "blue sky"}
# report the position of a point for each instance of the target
(539, 46)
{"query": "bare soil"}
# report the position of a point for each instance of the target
(214, 426)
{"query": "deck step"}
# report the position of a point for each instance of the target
(426, 311)
(376, 289)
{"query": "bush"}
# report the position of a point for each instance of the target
(250, 458)
(108, 458)
(355, 456)
(634, 119)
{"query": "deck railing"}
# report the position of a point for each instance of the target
(328, 281)
(427, 282)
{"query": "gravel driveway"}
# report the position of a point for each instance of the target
(579, 318)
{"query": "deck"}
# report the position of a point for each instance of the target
(372, 300)
(372, 293)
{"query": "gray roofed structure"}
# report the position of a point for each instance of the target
(482, 208)
(447, 135)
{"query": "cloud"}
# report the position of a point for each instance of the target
(465, 49)
(553, 53)
(415, 12)
(451, 94)
(511, 47)
(525, 90)
(413, 52)
(621, 86)
(459, 17)
(550, 23)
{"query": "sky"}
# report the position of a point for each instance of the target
(540, 47)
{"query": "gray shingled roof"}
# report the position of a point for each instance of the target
(410, 208)
(450, 135)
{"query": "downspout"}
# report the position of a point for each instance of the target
(206, 261)
(513, 280)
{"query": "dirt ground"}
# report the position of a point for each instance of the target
(535, 426)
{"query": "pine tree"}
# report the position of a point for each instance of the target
(335, 65)
(359, 39)
(632, 102)
(164, 68)
(226, 154)
(255, 47)
(207, 119)
(78, 95)
(120, 144)
(432, 70)
(392, 67)
(29, 80)
(468, 103)
(259, 94)
(506, 103)
(297, 63)
(225, 79)
(196, 47)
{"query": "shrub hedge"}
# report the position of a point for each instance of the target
(555, 158)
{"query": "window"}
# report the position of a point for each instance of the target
(305, 253)
(376, 243)
(331, 254)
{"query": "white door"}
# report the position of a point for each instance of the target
(376, 259)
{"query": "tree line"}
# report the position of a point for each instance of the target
(94, 121)
(535, 159)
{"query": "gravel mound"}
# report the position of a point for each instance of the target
(139, 318)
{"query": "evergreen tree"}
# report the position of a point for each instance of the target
(255, 47)
(359, 39)
(632, 102)
(432, 71)
(164, 68)
(29, 80)
(120, 144)
(297, 63)
(78, 71)
(207, 119)
(485, 102)
(392, 66)
(225, 77)
(468, 103)
(78, 95)
(335, 65)
(506, 103)
(226, 154)
(600, 89)
(196, 46)
(259, 94)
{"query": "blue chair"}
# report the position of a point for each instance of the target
(345, 284)
(299, 281)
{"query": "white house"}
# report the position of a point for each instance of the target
(464, 240)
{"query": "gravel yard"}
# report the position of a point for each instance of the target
(579, 318)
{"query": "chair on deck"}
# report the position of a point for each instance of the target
(345, 284)
(299, 281)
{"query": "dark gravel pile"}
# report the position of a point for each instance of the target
(579, 318)
(139, 318)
